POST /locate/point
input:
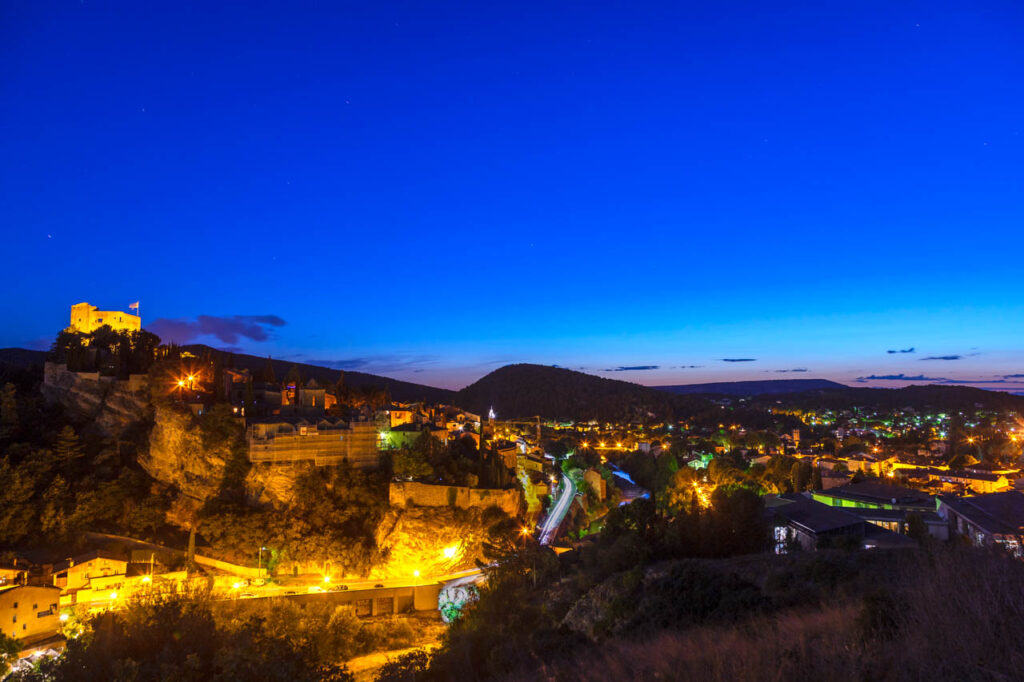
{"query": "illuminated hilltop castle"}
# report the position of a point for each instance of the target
(87, 318)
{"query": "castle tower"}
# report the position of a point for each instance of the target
(86, 319)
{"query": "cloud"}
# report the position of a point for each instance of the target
(739, 359)
(688, 367)
(229, 329)
(905, 350)
(783, 371)
(942, 357)
(899, 377)
(635, 368)
(1013, 376)
(978, 381)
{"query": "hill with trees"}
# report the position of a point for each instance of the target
(18, 362)
(523, 390)
(402, 391)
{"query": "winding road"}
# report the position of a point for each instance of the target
(558, 511)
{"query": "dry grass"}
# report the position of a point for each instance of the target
(947, 615)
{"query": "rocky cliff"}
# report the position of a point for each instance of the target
(110, 404)
(433, 541)
(178, 456)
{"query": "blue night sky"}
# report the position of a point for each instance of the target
(432, 190)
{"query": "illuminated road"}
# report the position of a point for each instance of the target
(558, 511)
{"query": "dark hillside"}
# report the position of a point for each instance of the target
(525, 390)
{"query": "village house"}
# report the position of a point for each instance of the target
(77, 571)
(987, 520)
(29, 612)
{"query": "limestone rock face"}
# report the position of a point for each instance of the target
(273, 485)
(177, 456)
(431, 540)
(110, 404)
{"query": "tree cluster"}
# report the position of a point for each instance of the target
(107, 351)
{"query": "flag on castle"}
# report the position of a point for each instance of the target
(134, 306)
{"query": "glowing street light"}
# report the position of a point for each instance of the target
(450, 551)
(327, 578)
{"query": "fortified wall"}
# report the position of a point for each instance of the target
(112, 404)
(402, 493)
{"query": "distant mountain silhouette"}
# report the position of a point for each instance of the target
(21, 357)
(932, 397)
(525, 390)
(752, 388)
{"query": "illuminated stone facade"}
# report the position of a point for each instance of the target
(86, 319)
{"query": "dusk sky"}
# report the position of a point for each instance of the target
(661, 193)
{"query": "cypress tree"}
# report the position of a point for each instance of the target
(268, 372)
(68, 449)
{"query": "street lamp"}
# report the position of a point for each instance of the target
(259, 565)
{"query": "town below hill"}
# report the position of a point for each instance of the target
(152, 489)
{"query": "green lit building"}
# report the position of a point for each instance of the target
(875, 495)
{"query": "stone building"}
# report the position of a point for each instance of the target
(86, 319)
(323, 442)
